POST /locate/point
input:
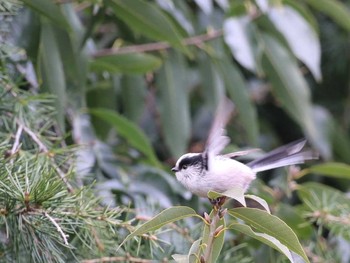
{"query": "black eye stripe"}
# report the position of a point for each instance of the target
(193, 160)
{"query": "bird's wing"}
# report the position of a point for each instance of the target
(241, 153)
(217, 139)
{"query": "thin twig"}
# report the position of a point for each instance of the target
(196, 40)
(43, 148)
(117, 259)
(17, 138)
(59, 229)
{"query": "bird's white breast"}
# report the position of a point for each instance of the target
(222, 175)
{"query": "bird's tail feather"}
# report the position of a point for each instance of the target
(290, 154)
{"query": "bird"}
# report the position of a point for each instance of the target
(212, 171)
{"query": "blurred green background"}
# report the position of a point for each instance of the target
(137, 82)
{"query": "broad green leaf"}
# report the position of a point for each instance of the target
(291, 89)
(171, 80)
(300, 36)
(271, 225)
(334, 9)
(305, 11)
(52, 71)
(236, 36)
(205, 5)
(167, 216)
(50, 10)
(332, 169)
(191, 257)
(133, 63)
(264, 238)
(341, 142)
(129, 131)
(218, 240)
(237, 89)
(294, 218)
(195, 247)
(211, 82)
(75, 56)
(261, 201)
(75, 67)
(101, 95)
(180, 258)
(179, 13)
(146, 18)
(133, 91)
(234, 193)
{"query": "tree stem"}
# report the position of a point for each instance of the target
(212, 230)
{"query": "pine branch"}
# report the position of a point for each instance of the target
(42, 147)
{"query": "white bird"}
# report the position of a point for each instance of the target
(210, 171)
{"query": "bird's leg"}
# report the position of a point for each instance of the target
(218, 202)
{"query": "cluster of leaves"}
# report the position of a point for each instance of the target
(126, 76)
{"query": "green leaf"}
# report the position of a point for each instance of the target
(237, 37)
(236, 193)
(101, 95)
(332, 169)
(134, 92)
(167, 216)
(271, 225)
(211, 82)
(261, 201)
(129, 131)
(146, 18)
(291, 89)
(50, 11)
(264, 238)
(305, 12)
(174, 104)
(236, 87)
(133, 63)
(191, 257)
(334, 9)
(52, 70)
(302, 39)
(293, 217)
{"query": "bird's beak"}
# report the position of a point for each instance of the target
(174, 169)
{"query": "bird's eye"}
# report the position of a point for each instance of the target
(184, 166)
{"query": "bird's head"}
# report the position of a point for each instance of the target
(188, 166)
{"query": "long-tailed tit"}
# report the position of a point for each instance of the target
(202, 172)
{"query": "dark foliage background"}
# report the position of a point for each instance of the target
(134, 85)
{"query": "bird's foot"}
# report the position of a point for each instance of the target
(218, 202)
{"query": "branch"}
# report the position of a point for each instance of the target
(59, 229)
(43, 148)
(117, 259)
(17, 138)
(191, 41)
(212, 231)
